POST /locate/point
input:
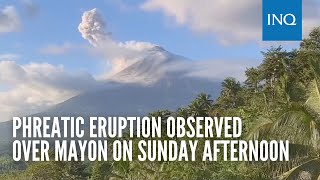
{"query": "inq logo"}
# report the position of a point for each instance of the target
(282, 20)
(288, 19)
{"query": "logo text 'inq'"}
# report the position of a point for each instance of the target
(288, 19)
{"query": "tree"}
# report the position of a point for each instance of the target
(296, 122)
(229, 92)
(276, 63)
(56, 170)
(101, 170)
(253, 79)
(309, 51)
(45, 170)
(164, 114)
(313, 41)
(200, 106)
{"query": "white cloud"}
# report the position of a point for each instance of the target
(54, 49)
(227, 20)
(311, 15)
(9, 20)
(35, 87)
(9, 56)
(220, 69)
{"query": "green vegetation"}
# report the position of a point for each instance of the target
(280, 99)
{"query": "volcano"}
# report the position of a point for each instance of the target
(151, 83)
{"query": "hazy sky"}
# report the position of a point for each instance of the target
(44, 59)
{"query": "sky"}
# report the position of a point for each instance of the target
(41, 46)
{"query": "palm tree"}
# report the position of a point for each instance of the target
(298, 122)
(200, 106)
(183, 112)
(164, 114)
(230, 89)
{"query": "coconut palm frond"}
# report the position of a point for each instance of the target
(309, 169)
(261, 128)
(297, 126)
(313, 101)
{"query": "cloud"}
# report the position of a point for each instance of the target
(54, 49)
(227, 20)
(30, 7)
(9, 56)
(35, 87)
(220, 69)
(311, 16)
(9, 20)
